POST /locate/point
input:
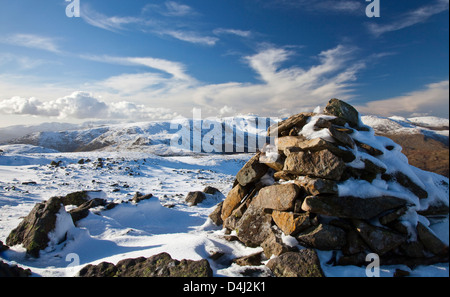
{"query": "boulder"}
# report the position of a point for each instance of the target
(351, 207)
(291, 223)
(234, 198)
(273, 246)
(304, 263)
(254, 226)
(322, 164)
(277, 197)
(252, 171)
(13, 271)
(194, 198)
(216, 215)
(317, 186)
(323, 237)
(431, 241)
(161, 265)
(284, 128)
(250, 260)
(33, 231)
(343, 110)
(138, 197)
(82, 211)
(380, 240)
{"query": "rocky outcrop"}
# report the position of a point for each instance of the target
(161, 265)
(337, 187)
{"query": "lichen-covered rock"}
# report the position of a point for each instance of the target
(161, 265)
(33, 231)
(254, 226)
(304, 263)
(343, 110)
(252, 171)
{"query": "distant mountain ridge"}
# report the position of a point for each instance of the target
(425, 140)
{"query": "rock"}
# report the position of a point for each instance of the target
(161, 265)
(285, 142)
(138, 197)
(216, 215)
(323, 237)
(283, 128)
(33, 231)
(405, 181)
(317, 186)
(277, 197)
(304, 263)
(82, 211)
(254, 226)
(3, 247)
(392, 216)
(431, 241)
(210, 190)
(274, 246)
(369, 149)
(291, 223)
(343, 110)
(284, 175)
(251, 260)
(233, 200)
(342, 137)
(76, 198)
(194, 198)
(351, 207)
(380, 240)
(13, 271)
(322, 164)
(436, 209)
(252, 171)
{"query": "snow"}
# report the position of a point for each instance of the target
(165, 223)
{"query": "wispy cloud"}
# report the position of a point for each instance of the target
(432, 100)
(114, 23)
(410, 18)
(32, 41)
(173, 8)
(191, 37)
(320, 6)
(241, 33)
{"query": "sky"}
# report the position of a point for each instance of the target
(156, 60)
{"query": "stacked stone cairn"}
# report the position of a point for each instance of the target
(333, 185)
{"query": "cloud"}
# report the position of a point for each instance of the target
(82, 105)
(321, 6)
(191, 37)
(176, 69)
(432, 100)
(32, 41)
(410, 18)
(173, 8)
(99, 20)
(236, 32)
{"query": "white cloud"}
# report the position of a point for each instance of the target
(82, 105)
(241, 33)
(432, 100)
(32, 41)
(191, 37)
(410, 18)
(114, 23)
(322, 6)
(173, 8)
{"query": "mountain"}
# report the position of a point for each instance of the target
(425, 140)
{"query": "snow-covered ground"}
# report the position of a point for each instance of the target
(164, 223)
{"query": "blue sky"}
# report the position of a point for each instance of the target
(145, 60)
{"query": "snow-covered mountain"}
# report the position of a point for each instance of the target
(157, 137)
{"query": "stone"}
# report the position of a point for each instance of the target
(33, 231)
(380, 240)
(82, 211)
(194, 198)
(343, 110)
(76, 198)
(317, 186)
(3, 247)
(252, 171)
(250, 260)
(13, 271)
(210, 190)
(342, 137)
(277, 197)
(283, 128)
(291, 223)
(284, 175)
(216, 215)
(161, 265)
(254, 226)
(138, 197)
(233, 200)
(351, 207)
(323, 237)
(273, 246)
(304, 263)
(369, 149)
(405, 181)
(392, 216)
(285, 142)
(322, 164)
(431, 241)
